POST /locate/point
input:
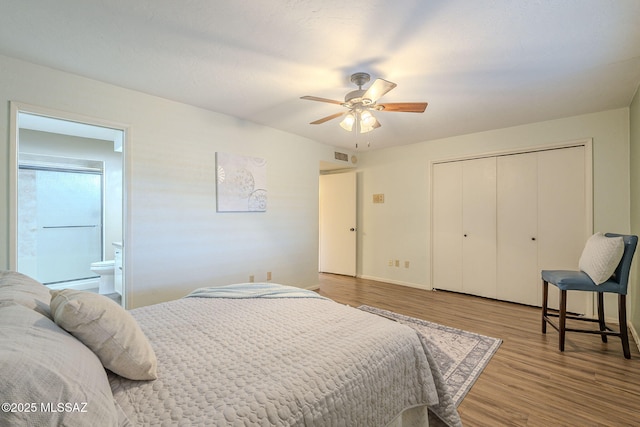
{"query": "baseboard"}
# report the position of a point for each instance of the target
(634, 334)
(394, 282)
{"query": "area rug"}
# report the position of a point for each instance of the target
(461, 355)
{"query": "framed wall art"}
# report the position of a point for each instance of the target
(241, 184)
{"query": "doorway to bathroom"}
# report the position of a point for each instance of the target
(67, 224)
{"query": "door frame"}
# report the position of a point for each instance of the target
(19, 107)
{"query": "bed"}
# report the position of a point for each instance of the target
(252, 354)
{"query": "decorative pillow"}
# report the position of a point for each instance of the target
(601, 256)
(44, 367)
(21, 289)
(107, 329)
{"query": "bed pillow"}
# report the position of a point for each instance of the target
(42, 366)
(21, 289)
(601, 256)
(107, 329)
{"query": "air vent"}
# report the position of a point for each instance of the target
(341, 156)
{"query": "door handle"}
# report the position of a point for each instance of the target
(352, 229)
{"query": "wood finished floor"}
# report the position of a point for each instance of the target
(528, 381)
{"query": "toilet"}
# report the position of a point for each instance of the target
(105, 270)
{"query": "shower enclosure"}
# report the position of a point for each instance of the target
(60, 221)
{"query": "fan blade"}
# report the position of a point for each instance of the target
(378, 89)
(326, 119)
(315, 98)
(404, 107)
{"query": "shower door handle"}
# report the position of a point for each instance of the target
(69, 226)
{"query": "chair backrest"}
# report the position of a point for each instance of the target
(621, 275)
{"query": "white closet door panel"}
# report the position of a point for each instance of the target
(447, 226)
(479, 227)
(562, 217)
(517, 214)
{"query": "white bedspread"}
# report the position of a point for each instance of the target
(278, 361)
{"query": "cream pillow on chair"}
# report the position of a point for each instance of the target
(601, 256)
(108, 330)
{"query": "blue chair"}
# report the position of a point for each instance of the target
(580, 281)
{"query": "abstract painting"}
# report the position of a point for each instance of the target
(241, 183)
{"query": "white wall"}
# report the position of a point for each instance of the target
(400, 228)
(176, 240)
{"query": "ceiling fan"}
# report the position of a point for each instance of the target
(361, 102)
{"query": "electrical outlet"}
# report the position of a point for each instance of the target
(406, 264)
(268, 276)
(397, 263)
(251, 279)
(390, 263)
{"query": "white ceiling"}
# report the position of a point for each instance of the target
(481, 64)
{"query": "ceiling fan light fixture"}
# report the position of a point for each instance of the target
(374, 124)
(360, 102)
(347, 122)
(368, 122)
(366, 118)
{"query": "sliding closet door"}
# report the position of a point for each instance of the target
(517, 221)
(479, 227)
(464, 226)
(562, 217)
(447, 226)
(498, 221)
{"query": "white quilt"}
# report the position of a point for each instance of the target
(279, 361)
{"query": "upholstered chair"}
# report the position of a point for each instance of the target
(594, 276)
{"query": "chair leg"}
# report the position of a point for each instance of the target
(545, 298)
(562, 318)
(622, 316)
(601, 322)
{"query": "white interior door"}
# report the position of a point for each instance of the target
(479, 227)
(561, 218)
(447, 226)
(338, 223)
(518, 274)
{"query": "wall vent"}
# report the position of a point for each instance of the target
(341, 156)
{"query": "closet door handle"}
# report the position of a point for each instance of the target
(533, 238)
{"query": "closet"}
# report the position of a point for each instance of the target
(498, 220)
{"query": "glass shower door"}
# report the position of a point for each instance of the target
(61, 224)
